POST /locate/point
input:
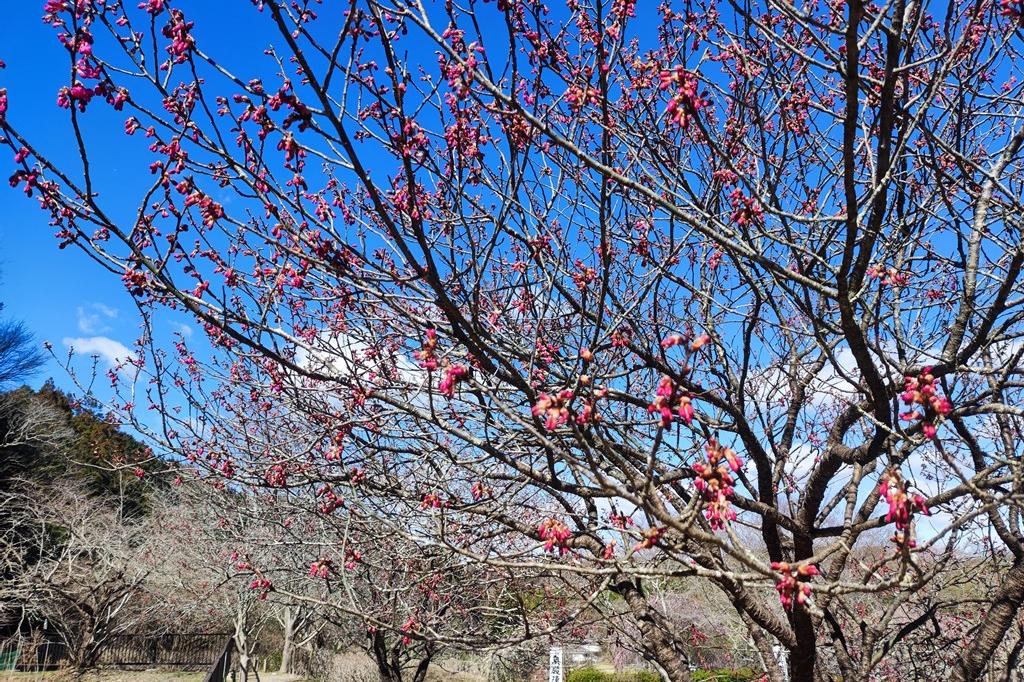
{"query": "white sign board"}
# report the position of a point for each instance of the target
(782, 658)
(555, 668)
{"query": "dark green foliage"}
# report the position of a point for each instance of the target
(76, 443)
(46, 436)
(595, 675)
(715, 675)
(726, 675)
(589, 675)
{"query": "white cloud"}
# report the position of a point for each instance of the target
(115, 354)
(344, 355)
(183, 329)
(93, 317)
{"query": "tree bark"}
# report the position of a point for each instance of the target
(804, 656)
(288, 627)
(242, 642)
(387, 670)
(421, 670)
(978, 653)
(660, 646)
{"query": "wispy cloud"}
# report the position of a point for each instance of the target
(92, 319)
(182, 329)
(113, 353)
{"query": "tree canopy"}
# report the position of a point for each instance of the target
(597, 293)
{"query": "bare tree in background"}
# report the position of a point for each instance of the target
(20, 355)
(77, 565)
(403, 606)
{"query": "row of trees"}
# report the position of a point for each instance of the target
(91, 553)
(583, 296)
(97, 546)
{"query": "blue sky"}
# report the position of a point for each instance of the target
(57, 293)
(60, 294)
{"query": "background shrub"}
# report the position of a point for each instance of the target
(590, 675)
(726, 675)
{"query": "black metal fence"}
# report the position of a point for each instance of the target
(177, 650)
(182, 651)
(31, 654)
(224, 665)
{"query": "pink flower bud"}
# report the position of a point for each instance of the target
(700, 342)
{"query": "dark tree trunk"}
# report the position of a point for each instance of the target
(421, 670)
(659, 644)
(978, 653)
(804, 656)
(389, 668)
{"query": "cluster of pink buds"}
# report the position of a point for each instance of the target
(453, 374)
(263, 585)
(902, 504)
(715, 481)
(30, 178)
(679, 340)
(154, 7)
(581, 95)
(921, 390)
(889, 276)
(554, 533)
(330, 500)
(745, 210)
(179, 32)
(431, 501)
(209, 209)
(554, 409)
(293, 151)
(620, 521)
(321, 568)
(78, 95)
(685, 101)
(352, 557)
(408, 629)
(276, 476)
(479, 491)
(583, 275)
(650, 538)
(668, 400)
(425, 355)
(793, 587)
(1012, 9)
(588, 414)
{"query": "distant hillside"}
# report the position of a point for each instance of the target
(47, 435)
